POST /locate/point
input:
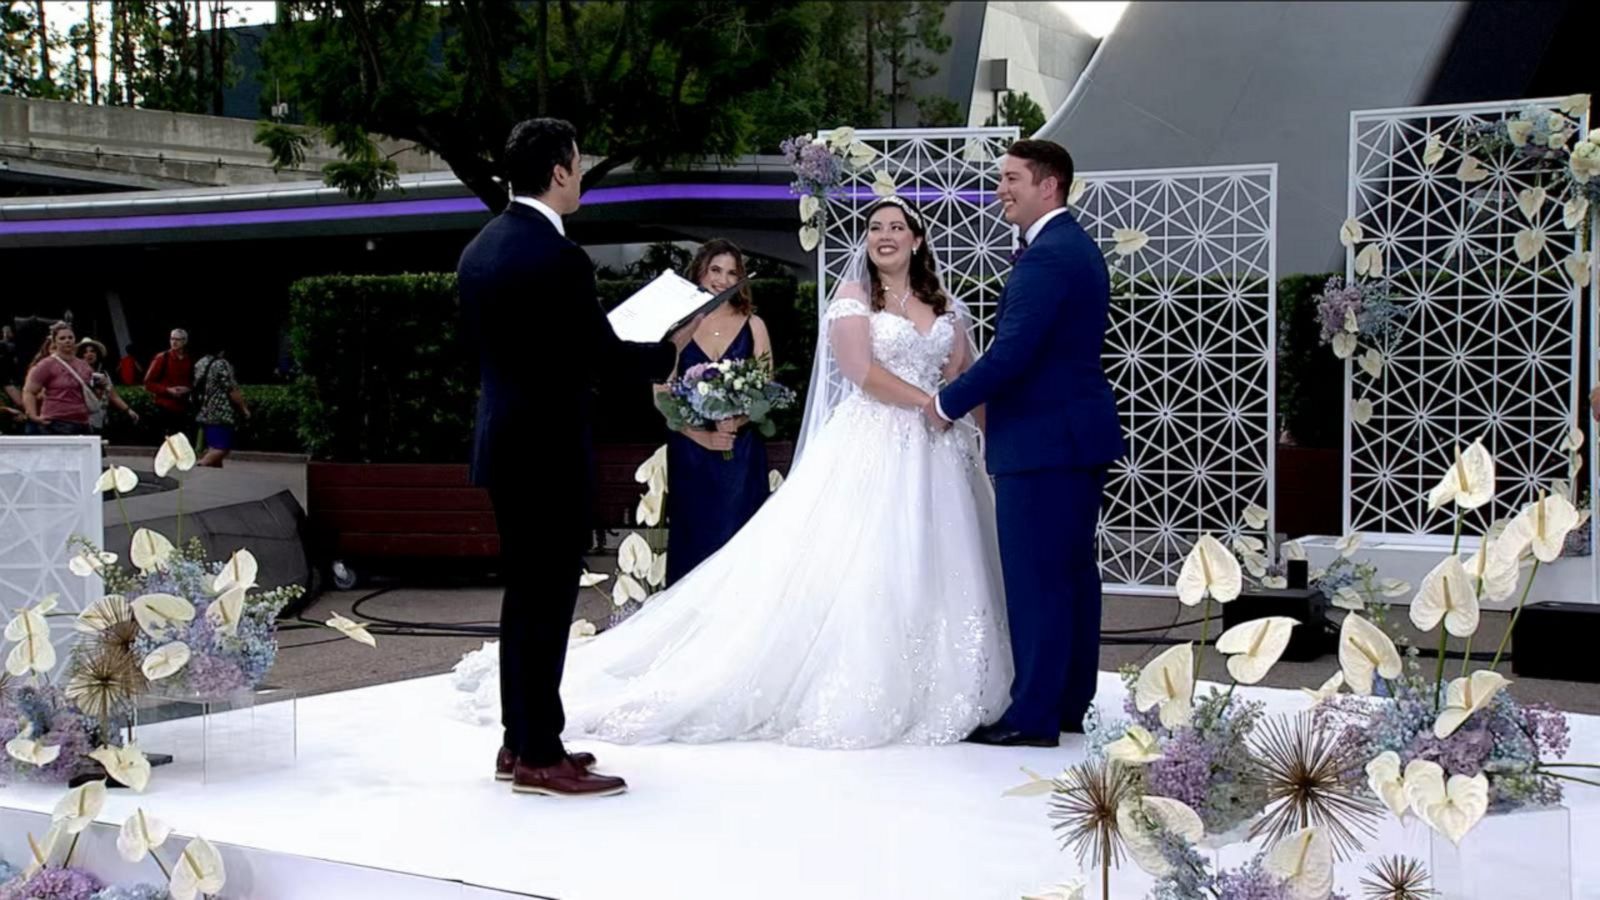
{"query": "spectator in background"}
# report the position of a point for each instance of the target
(129, 372)
(218, 405)
(93, 354)
(56, 393)
(11, 408)
(169, 381)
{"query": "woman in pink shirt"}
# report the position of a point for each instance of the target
(57, 392)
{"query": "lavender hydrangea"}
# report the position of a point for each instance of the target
(52, 884)
(54, 722)
(816, 169)
(136, 892)
(1377, 315)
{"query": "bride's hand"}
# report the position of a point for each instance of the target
(730, 426)
(711, 440)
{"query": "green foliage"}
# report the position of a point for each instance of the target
(274, 426)
(1021, 110)
(899, 33)
(940, 112)
(1310, 377)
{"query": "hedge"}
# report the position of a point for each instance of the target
(1310, 377)
(273, 427)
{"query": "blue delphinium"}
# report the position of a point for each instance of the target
(136, 892)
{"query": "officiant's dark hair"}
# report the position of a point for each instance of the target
(924, 280)
(709, 251)
(534, 149)
(1046, 159)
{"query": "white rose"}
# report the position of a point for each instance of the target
(738, 384)
(703, 388)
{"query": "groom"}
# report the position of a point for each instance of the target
(520, 278)
(1052, 433)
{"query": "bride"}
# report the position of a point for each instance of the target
(862, 605)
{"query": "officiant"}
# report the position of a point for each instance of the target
(716, 478)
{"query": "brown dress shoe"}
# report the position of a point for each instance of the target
(564, 780)
(506, 761)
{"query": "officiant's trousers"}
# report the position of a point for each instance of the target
(541, 552)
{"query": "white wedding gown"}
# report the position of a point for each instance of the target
(861, 606)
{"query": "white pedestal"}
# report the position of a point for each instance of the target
(234, 736)
(1526, 853)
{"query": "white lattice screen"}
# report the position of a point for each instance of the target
(1190, 345)
(1490, 347)
(46, 497)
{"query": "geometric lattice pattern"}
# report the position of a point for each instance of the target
(1190, 354)
(47, 496)
(1491, 344)
(1189, 350)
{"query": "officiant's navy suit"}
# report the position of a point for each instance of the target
(1052, 434)
(523, 284)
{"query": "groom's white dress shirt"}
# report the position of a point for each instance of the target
(1027, 238)
(548, 213)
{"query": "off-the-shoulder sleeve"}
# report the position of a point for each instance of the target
(845, 307)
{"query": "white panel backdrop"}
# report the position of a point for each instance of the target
(46, 497)
(1190, 346)
(1492, 344)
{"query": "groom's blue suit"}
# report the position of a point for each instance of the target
(1052, 433)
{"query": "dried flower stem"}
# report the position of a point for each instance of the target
(1515, 616)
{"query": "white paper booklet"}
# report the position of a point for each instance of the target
(652, 313)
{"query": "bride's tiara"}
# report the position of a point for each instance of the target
(905, 207)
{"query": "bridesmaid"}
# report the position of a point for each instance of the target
(710, 497)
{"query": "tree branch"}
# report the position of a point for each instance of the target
(570, 25)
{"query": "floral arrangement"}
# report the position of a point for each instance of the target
(46, 737)
(1349, 312)
(1542, 135)
(820, 167)
(726, 389)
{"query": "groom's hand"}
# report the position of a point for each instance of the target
(930, 411)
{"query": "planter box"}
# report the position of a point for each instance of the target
(1310, 482)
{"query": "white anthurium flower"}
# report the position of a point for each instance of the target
(1575, 211)
(1210, 570)
(1584, 163)
(1557, 140)
(841, 138)
(658, 571)
(24, 748)
(1519, 130)
(1365, 651)
(31, 631)
(1352, 325)
(1451, 808)
(1469, 482)
(158, 614)
(1072, 890)
(1170, 815)
(1574, 104)
(1447, 593)
(1316, 574)
(239, 571)
(650, 468)
(809, 206)
(102, 614)
(1168, 680)
(1328, 691)
(1345, 344)
(1497, 571)
(117, 478)
(126, 764)
(1472, 171)
(1256, 564)
(634, 556)
(883, 183)
(225, 612)
(140, 835)
(1349, 598)
(1543, 525)
(1528, 243)
(589, 579)
(1573, 442)
(1361, 412)
(1246, 544)
(1294, 550)
(1433, 151)
(581, 630)
(1129, 241)
(861, 155)
(76, 811)
(39, 852)
(1465, 696)
(1369, 262)
(1253, 648)
(90, 562)
(149, 550)
(1036, 786)
(1388, 782)
(1349, 544)
(198, 871)
(810, 236)
(1579, 268)
(1255, 517)
(649, 512)
(175, 453)
(625, 589)
(1351, 233)
(774, 481)
(1372, 363)
(1394, 587)
(1530, 201)
(1075, 191)
(166, 660)
(355, 631)
(1136, 747)
(1303, 863)
(1275, 582)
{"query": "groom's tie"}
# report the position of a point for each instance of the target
(1017, 253)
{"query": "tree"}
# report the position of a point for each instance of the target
(1020, 110)
(644, 82)
(900, 31)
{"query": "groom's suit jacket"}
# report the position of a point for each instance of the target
(1049, 403)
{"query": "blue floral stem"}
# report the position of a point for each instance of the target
(1515, 616)
(1570, 778)
(161, 865)
(1545, 765)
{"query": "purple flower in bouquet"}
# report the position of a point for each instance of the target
(54, 722)
(53, 884)
(816, 169)
(1184, 770)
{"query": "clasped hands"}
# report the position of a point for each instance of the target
(930, 411)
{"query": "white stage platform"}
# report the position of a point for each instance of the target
(392, 798)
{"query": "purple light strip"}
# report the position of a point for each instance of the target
(644, 193)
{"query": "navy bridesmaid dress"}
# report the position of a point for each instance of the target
(709, 498)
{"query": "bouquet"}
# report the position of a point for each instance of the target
(1362, 309)
(727, 389)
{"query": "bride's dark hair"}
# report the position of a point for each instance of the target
(923, 279)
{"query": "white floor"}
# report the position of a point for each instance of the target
(387, 780)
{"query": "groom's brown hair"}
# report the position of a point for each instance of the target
(1046, 159)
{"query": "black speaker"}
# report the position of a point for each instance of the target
(1556, 640)
(1314, 637)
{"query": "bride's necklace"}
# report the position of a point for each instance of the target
(901, 300)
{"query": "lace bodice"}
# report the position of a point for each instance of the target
(908, 354)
